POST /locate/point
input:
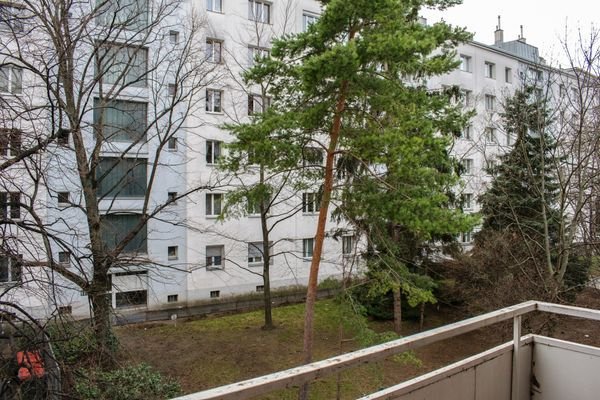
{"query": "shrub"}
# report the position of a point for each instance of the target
(137, 382)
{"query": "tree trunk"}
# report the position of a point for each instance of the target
(267, 294)
(397, 310)
(422, 317)
(101, 309)
(264, 209)
(311, 292)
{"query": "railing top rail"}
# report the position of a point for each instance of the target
(309, 372)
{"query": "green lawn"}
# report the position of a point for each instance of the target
(214, 351)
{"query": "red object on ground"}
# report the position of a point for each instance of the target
(31, 364)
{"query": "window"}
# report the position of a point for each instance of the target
(213, 151)
(467, 200)
(312, 156)
(121, 177)
(257, 103)
(172, 88)
(115, 227)
(466, 237)
(134, 298)
(256, 253)
(535, 75)
(173, 37)
(508, 75)
(490, 135)
(62, 136)
(508, 139)
(123, 65)
(215, 294)
(308, 19)
(467, 132)
(65, 310)
(311, 202)
(64, 257)
(466, 97)
(63, 198)
(173, 252)
(467, 166)
(10, 142)
(491, 166)
(10, 205)
(214, 50)
(172, 298)
(10, 268)
(10, 18)
(256, 53)
(307, 248)
(259, 11)
(127, 14)
(213, 100)
(11, 79)
(120, 120)
(490, 102)
(172, 197)
(172, 143)
(215, 257)
(213, 204)
(465, 63)
(214, 5)
(347, 244)
(490, 70)
(260, 288)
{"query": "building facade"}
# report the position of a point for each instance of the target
(155, 83)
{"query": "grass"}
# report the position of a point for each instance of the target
(214, 351)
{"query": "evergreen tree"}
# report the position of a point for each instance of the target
(523, 195)
(353, 86)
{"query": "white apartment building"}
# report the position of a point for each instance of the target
(186, 254)
(487, 75)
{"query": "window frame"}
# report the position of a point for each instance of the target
(348, 245)
(14, 269)
(254, 6)
(9, 74)
(214, 103)
(466, 63)
(210, 6)
(135, 60)
(210, 260)
(213, 151)
(311, 203)
(308, 18)
(210, 204)
(489, 70)
(308, 248)
(212, 56)
(490, 102)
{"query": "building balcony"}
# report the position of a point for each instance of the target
(528, 367)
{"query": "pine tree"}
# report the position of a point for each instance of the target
(353, 86)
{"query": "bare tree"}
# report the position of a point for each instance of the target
(110, 91)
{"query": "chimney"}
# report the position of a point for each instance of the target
(498, 34)
(521, 37)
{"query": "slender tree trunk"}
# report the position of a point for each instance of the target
(266, 262)
(311, 293)
(422, 317)
(397, 310)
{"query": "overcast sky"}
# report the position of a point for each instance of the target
(543, 21)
